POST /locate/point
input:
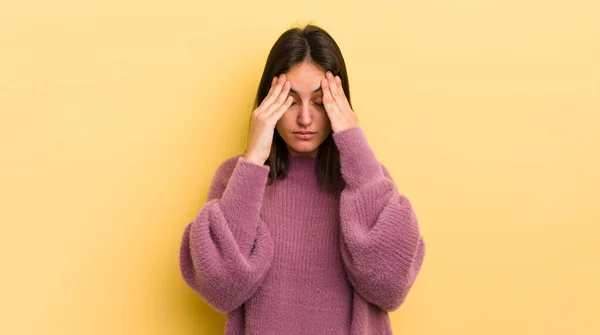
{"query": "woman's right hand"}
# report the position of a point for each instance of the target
(264, 120)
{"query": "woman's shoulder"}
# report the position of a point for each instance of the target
(222, 175)
(226, 167)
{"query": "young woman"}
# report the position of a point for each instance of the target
(304, 233)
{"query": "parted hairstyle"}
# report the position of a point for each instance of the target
(296, 45)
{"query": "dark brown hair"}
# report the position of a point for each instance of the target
(296, 45)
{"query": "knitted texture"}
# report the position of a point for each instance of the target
(290, 258)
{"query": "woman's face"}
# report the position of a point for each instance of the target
(306, 113)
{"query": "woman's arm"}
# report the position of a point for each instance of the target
(227, 250)
(381, 244)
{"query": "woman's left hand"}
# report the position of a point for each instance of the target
(336, 104)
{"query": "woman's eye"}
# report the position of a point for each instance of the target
(318, 103)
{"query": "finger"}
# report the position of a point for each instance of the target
(266, 100)
(281, 98)
(275, 93)
(278, 88)
(273, 82)
(330, 104)
(283, 108)
(333, 86)
(344, 101)
(338, 92)
(341, 92)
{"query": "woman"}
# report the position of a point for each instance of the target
(304, 233)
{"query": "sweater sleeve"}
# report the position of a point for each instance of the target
(382, 248)
(227, 249)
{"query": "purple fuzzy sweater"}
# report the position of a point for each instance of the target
(290, 258)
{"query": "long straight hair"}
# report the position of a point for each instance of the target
(296, 45)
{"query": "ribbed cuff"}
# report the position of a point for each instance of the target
(245, 189)
(358, 161)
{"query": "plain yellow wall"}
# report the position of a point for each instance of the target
(115, 116)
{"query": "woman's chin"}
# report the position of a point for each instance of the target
(302, 150)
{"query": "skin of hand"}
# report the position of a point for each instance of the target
(336, 104)
(264, 119)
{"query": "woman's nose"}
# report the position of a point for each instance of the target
(305, 116)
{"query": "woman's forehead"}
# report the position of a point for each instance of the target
(305, 79)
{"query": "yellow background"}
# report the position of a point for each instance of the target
(115, 116)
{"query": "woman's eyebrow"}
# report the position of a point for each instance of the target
(315, 91)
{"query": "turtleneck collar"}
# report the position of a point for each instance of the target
(302, 165)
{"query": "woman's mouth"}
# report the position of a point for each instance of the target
(305, 136)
